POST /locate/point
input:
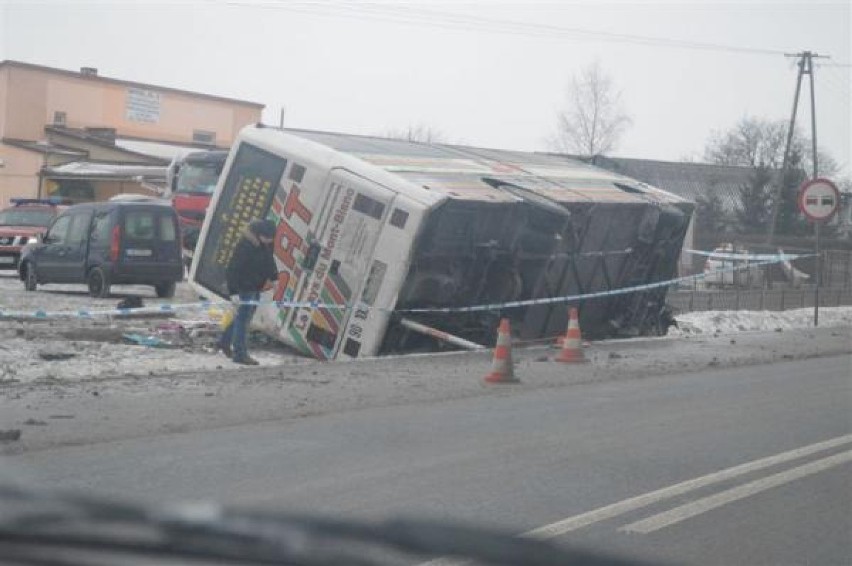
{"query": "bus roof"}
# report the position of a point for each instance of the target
(471, 173)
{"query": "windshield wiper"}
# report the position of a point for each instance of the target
(39, 521)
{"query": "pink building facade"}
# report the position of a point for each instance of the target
(52, 116)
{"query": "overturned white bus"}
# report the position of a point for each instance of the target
(390, 229)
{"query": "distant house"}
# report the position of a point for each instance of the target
(687, 180)
(694, 180)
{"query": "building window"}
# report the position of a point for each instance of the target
(59, 118)
(201, 136)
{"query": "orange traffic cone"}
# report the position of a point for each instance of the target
(501, 367)
(572, 347)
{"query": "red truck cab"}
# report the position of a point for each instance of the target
(192, 182)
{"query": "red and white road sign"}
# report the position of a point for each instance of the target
(819, 199)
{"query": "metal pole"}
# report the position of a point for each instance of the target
(818, 275)
(810, 60)
(816, 174)
(440, 335)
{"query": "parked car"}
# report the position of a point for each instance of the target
(19, 223)
(730, 265)
(106, 243)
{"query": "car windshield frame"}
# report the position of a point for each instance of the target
(193, 178)
(40, 217)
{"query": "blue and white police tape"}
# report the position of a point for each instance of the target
(172, 308)
(748, 257)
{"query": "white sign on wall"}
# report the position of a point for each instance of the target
(143, 105)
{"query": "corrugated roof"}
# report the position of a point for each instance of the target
(160, 150)
(95, 170)
(45, 147)
(92, 138)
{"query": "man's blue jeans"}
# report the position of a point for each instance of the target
(235, 334)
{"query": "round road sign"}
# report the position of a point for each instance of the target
(819, 199)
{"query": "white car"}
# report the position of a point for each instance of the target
(729, 265)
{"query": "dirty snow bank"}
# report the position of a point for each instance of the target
(711, 322)
(23, 348)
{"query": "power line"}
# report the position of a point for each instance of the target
(413, 16)
(836, 88)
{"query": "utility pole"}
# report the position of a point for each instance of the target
(806, 67)
(816, 174)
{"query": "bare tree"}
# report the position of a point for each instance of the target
(593, 119)
(416, 133)
(757, 142)
(752, 142)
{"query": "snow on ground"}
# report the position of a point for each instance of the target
(711, 322)
(87, 349)
(84, 349)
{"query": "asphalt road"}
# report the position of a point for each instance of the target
(765, 451)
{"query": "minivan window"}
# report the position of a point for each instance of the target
(79, 227)
(100, 227)
(58, 233)
(139, 225)
(168, 233)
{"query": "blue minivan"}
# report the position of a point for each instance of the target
(100, 244)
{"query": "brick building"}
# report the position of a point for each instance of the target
(88, 137)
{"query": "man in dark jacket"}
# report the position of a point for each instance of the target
(251, 270)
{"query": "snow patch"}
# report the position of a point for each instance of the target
(712, 322)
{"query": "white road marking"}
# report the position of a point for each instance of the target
(578, 521)
(585, 519)
(700, 506)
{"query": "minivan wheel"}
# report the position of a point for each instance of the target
(98, 283)
(30, 279)
(165, 290)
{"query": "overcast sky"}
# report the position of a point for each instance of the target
(491, 74)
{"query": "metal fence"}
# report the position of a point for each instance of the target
(756, 299)
(837, 269)
(771, 288)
